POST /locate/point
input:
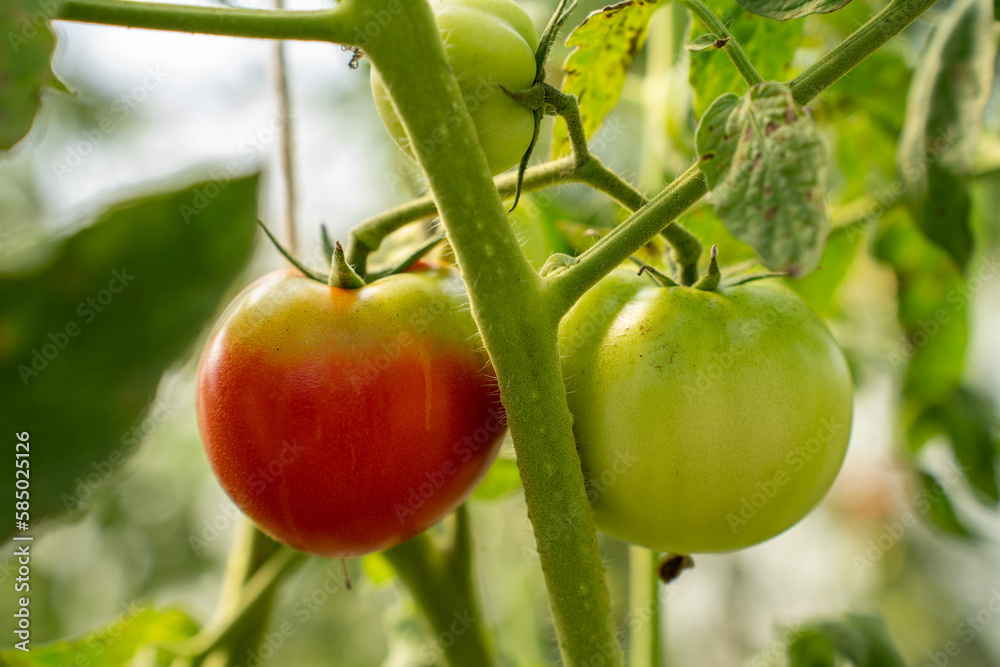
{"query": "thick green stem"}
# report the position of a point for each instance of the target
(328, 25)
(518, 330)
(440, 581)
(859, 45)
(732, 47)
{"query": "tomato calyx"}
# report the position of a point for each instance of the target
(341, 274)
(710, 281)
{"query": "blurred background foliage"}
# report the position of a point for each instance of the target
(143, 123)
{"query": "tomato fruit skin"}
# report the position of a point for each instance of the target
(705, 421)
(344, 422)
(488, 42)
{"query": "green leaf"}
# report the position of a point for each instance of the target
(706, 42)
(501, 480)
(770, 46)
(863, 640)
(766, 168)
(606, 44)
(783, 10)
(969, 422)
(112, 645)
(819, 287)
(812, 649)
(86, 335)
(24, 69)
(934, 503)
(944, 115)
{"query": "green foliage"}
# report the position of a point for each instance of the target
(945, 108)
(137, 632)
(766, 168)
(27, 47)
(605, 44)
(939, 508)
(783, 10)
(88, 332)
(501, 480)
(862, 640)
(770, 46)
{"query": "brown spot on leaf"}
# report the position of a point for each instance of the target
(770, 128)
(769, 214)
(708, 156)
(790, 114)
(748, 135)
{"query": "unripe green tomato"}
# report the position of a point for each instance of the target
(488, 42)
(706, 421)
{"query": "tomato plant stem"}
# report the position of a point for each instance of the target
(643, 608)
(856, 47)
(330, 25)
(441, 583)
(517, 328)
(242, 614)
(732, 47)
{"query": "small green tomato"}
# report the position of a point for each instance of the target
(488, 42)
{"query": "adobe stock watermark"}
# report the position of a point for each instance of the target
(967, 630)
(767, 489)
(157, 413)
(301, 611)
(596, 486)
(462, 451)
(120, 110)
(912, 169)
(31, 24)
(249, 148)
(957, 298)
(893, 532)
(258, 481)
(434, 653)
(59, 340)
(372, 365)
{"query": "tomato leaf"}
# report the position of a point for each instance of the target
(783, 10)
(770, 46)
(864, 640)
(767, 172)
(87, 333)
(969, 422)
(606, 44)
(111, 645)
(24, 69)
(944, 116)
(706, 42)
(934, 502)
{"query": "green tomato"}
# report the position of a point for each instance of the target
(706, 421)
(488, 42)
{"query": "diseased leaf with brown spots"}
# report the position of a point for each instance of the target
(766, 168)
(606, 44)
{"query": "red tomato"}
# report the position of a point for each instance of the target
(346, 421)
